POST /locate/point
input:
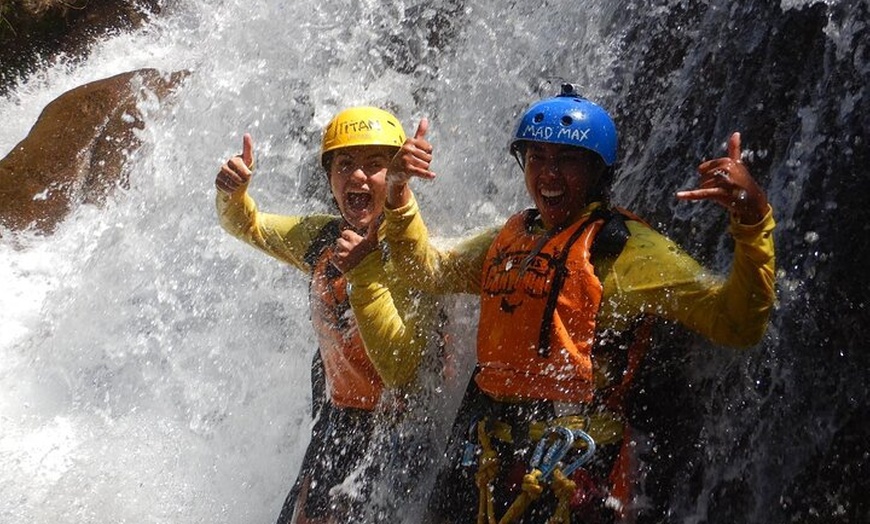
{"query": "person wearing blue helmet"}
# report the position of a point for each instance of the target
(567, 293)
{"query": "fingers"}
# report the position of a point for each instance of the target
(708, 193)
(727, 182)
(248, 150)
(236, 173)
(351, 247)
(734, 147)
(347, 241)
(422, 128)
(413, 158)
(416, 153)
(717, 181)
(232, 176)
(416, 162)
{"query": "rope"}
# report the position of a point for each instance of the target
(563, 488)
(486, 473)
(532, 489)
(534, 482)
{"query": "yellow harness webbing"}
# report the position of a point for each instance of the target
(607, 427)
(486, 473)
(604, 428)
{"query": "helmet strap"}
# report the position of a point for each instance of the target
(518, 156)
(518, 150)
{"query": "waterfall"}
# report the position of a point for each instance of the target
(154, 369)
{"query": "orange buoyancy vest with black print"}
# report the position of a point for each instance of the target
(539, 304)
(351, 379)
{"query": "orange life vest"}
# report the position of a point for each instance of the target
(537, 331)
(538, 309)
(351, 379)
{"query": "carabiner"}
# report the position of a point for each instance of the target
(471, 446)
(583, 458)
(547, 461)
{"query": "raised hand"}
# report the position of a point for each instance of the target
(412, 160)
(237, 171)
(728, 182)
(351, 247)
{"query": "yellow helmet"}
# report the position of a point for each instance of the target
(361, 126)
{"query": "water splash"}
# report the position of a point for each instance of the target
(156, 370)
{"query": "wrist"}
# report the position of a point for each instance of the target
(753, 215)
(751, 219)
(398, 193)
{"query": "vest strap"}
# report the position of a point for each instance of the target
(608, 242)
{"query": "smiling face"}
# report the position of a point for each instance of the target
(357, 177)
(561, 179)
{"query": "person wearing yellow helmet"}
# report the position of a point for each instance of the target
(348, 269)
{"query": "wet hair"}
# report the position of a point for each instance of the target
(601, 191)
(326, 160)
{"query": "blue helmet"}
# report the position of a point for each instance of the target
(571, 120)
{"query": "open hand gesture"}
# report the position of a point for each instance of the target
(727, 182)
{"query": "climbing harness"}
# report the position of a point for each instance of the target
(547, 468)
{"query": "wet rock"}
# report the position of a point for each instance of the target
(35, 31)
(77, 149)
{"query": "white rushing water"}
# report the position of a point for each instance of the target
(152, 368)
(156, 370)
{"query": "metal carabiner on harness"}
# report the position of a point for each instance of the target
(546, 459)
(583, 458)
(471, 446)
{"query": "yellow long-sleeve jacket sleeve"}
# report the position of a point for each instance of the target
(397, 323)
(396, 326)
(650, 276)
(285, 237)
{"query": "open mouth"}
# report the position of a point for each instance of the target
(552, 197)
(358, 202)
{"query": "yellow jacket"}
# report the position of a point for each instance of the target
(652, 275)
(396, 326)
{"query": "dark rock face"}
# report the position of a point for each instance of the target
(77, 149)
(35, 31)
(793, 82)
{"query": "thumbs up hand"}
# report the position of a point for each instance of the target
(351, 247)
(236, 173)
(413, 158)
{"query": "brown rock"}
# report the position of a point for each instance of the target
(77, 149)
